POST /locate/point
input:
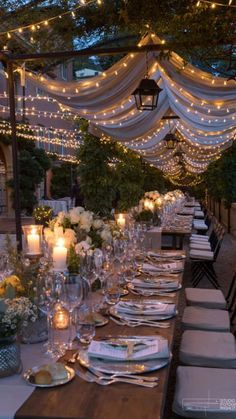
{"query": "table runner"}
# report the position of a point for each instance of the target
(14, 391)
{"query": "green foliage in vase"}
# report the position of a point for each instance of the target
(27, 271)
(42, 214)
(73, 261)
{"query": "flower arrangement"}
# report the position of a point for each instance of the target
(14, 313)
(42, 214)
(23, 281)
(11, 285)
(15, 309)
(82, 232)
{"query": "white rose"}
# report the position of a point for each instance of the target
(86, 220)
(88, 240)
(74, 214)
(69, 237)
(98, 224)
(82, 247)
(106, 235)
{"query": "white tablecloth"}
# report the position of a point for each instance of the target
(14, 391)
(56, 205)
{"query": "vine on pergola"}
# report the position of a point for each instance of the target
(206, 34)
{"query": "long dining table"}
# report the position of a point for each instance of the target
(82, 400)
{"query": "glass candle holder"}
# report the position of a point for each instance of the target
(33, 239)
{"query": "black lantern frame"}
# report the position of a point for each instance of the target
(146, 95)
(170, 141)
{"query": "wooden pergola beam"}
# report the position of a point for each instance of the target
(88, 52)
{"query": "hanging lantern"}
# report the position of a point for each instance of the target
(147, 93)
(170, 141)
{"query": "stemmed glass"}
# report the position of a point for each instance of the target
(72, 297)
(5, 269)
(49, 292)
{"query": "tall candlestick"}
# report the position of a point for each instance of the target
(59, 255)
(33, 242)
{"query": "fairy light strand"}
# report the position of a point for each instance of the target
(34, 26)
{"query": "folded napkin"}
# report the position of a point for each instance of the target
(166, 255)
(145, 308)
(129, 350)
(174, 266)
(155, 283)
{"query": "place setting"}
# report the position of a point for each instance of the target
(166, 256)
(145, 312)
(126, 359)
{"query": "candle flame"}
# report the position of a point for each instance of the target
(33, 230)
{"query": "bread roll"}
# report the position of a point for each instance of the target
(43, 377)
(58, 371)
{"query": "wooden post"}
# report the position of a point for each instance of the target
(229, 219)
(11, 92)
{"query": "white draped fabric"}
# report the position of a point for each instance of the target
(206, 106)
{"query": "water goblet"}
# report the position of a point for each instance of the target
(71, 298)
(85, 325)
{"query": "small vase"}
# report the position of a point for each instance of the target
(10, 360)
(35, 332)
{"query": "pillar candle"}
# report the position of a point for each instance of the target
(59, 255)
(33, 242)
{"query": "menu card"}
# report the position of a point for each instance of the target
(129, 350)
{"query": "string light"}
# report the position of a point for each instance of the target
(37, 25)
(213, 5)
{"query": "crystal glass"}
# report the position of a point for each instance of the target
(71, 298)
(85, 325)
(48, 288)
(33, 239)
(112, 290)
(5, 269)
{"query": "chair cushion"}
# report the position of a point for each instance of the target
(205, 393)
(200, 239)
(201, 254)
(208, 349)
(202, 318)
(199, 236)
(203, 297)
(200, 246)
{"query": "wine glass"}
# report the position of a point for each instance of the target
(47, 296)
(72, 297)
